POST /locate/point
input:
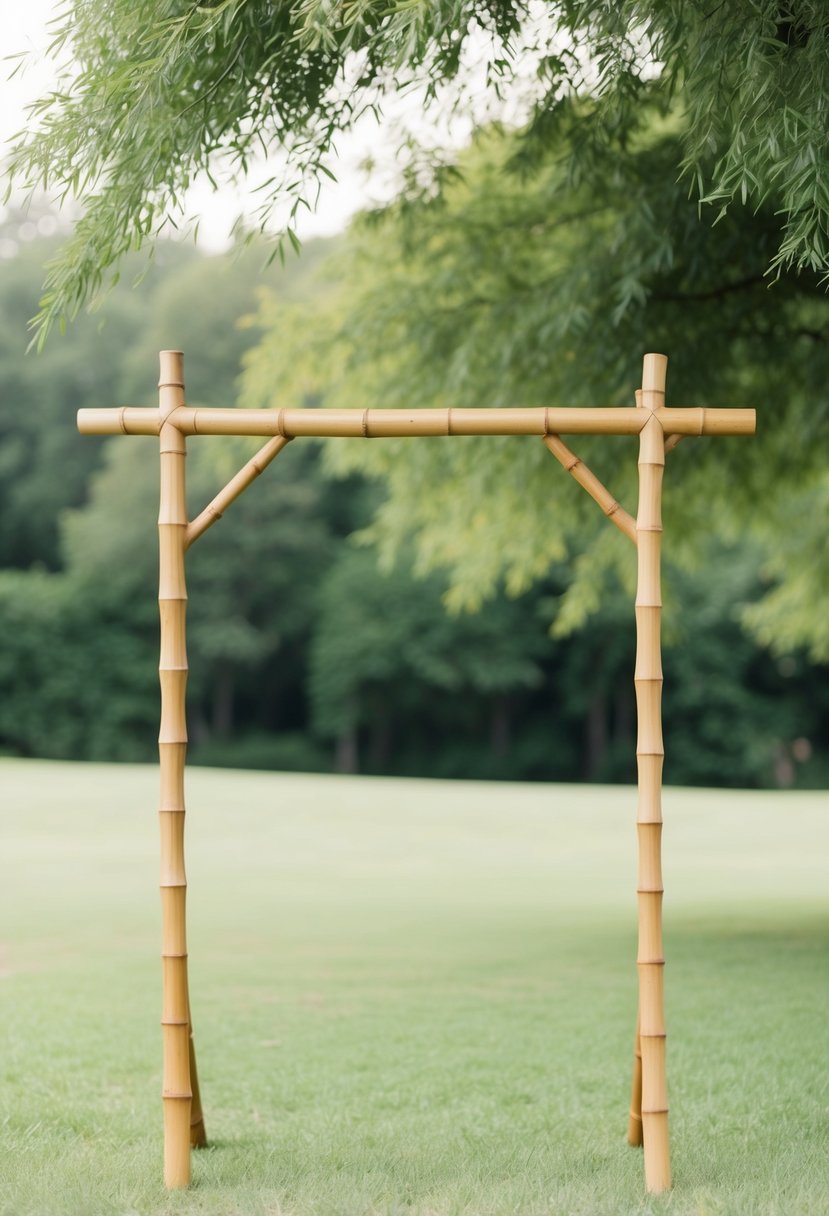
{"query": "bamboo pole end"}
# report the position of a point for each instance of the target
(170, 368)
(654, 373)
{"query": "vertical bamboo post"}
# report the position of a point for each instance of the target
(172, 748)
(649, 758)
(635, 1112)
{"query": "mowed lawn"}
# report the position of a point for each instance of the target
(409, 997)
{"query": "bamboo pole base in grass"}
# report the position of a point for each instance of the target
(659, 430)
(635, 1116)
(198, 1133)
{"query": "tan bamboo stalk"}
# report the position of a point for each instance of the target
(635, 1117)
(649, 756)
(635, 1113)
(236, 486)
(198, 1132)
(177, 1093)
(172, 421)
(377, 423)
(579, 471)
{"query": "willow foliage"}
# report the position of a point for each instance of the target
(524, 290)
(161, 90)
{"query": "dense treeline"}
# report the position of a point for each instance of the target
(304, 653)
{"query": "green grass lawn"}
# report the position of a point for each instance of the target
(409, 997)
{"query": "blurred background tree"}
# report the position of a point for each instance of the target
(304, 653)
(512, 289)
(176, 88)
(532, 267)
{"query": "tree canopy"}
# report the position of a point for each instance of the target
(529, 292)
(176, 88)
(304, 654)
(645, 174)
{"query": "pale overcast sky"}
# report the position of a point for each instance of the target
(24, 28)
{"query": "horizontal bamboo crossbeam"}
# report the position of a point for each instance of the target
(377, 423)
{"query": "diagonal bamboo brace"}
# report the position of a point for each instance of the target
(198, 1133)
(236, 486)
(579, 471)
(635, 1116)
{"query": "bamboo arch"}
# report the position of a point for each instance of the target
(659, 429)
